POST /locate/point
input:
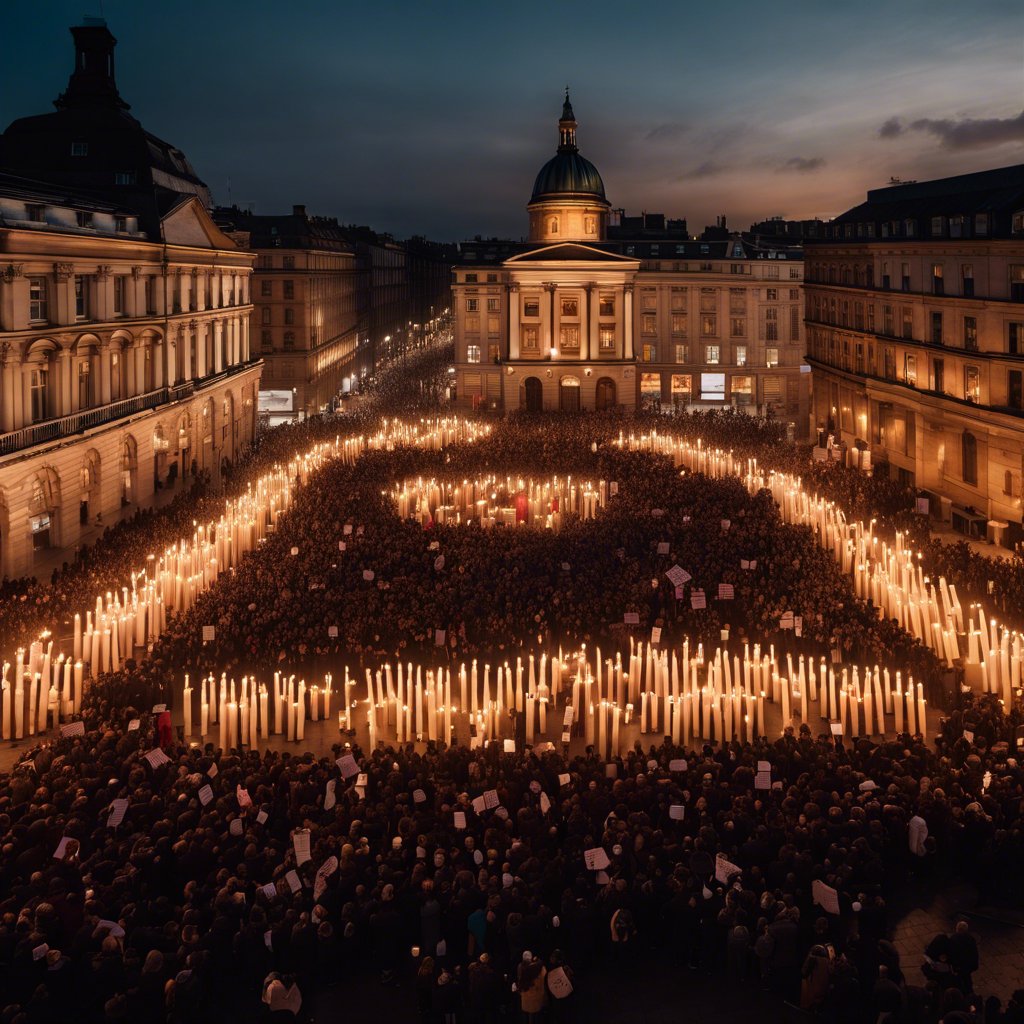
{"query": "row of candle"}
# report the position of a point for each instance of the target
(890, 575)
(508, 500)
(673, 692)
(121, 622)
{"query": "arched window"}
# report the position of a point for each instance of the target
(1008, 483)
(969, 457)
(553, 226)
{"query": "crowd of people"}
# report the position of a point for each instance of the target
(170, 892)
(188, 909)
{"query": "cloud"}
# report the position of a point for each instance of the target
(966, 133)
(669, 130)
(803, 164)
(708, 169)
(891, 128)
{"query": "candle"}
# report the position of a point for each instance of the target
(187, 708)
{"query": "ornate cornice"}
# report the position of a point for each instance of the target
(63, 271)
(13, 270)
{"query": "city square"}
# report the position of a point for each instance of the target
(616, 623)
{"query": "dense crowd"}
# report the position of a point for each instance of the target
(167, 915)
(188, 909)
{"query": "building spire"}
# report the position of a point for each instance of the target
(567, 127)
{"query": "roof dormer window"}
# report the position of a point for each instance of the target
(79, 148)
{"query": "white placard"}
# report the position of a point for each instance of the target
(663, 547)
(118, 809)
(261, 818)
(62, 847)
(156, 757)
(330, 799)
(242, 796)
(347, 766)
(764, 766)
(236, 826)
(798, 625)
(725, 869)
(205, 794)
(270, 891)
(677, 812)
(478, 805)
(159, 709)
(679, 576)
(209, 632)
(327, 869)
(40, 951)
(631, 618)
(786, 620)
(677, 764)
(292, 878)
(563, 779)
(698, 600)
(73, 729)
(459, 820)
(300, 843)
(726, 592)
(748, 563)
(332, 632)
(825, 896)
(836, 727)
(418, 796)
(510, 747)
(655, 634)
(439, 637)
(763, 780)
(491, 799)
(596, 859)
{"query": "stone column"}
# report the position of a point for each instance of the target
(7, 399)
(218, 346)
(514, 312)
(26, 397)
(104, 395)
(593, 314)
(64, 361)
(627, 313)
(547, 319)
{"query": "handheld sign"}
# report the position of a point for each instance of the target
(725, 869)
(678, 575)
(347, 766)
(73, 729)
(596, 859)
(726, 592)
(292, 878)
(205, 794)
(156, 757)
(300, 843)
(459, 820)
(118, 808)
(677, 764)
(656, 634)
(677, 812)
(631, 618)
(698, 600)
(235, 828)
(209, 632)
(825, 896)
(332, 632)
(439, 637)
(330, 799)
(663, 547)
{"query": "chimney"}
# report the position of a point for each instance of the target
(298, 211)
(92, 81)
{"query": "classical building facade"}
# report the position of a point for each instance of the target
(915, 313)
(125, 357)
(307, 297)
(597, 310)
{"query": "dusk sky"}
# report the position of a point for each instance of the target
(434, 117)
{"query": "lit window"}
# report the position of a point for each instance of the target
(650, 353)
(492, 306)
(741, 355)
(972, 384)
(38, 307)
(741, 387)
(712, 354)
(771, 357)
(530, 339)
(569, 337)
(648, 323)
(682, 353)
(472, 353)
(472, 305)
(606, 337)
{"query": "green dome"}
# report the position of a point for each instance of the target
(568, 173)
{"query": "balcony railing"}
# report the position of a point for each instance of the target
(77, 423)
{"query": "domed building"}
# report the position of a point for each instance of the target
(599, 310)
(568, 201)
(552, 328)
